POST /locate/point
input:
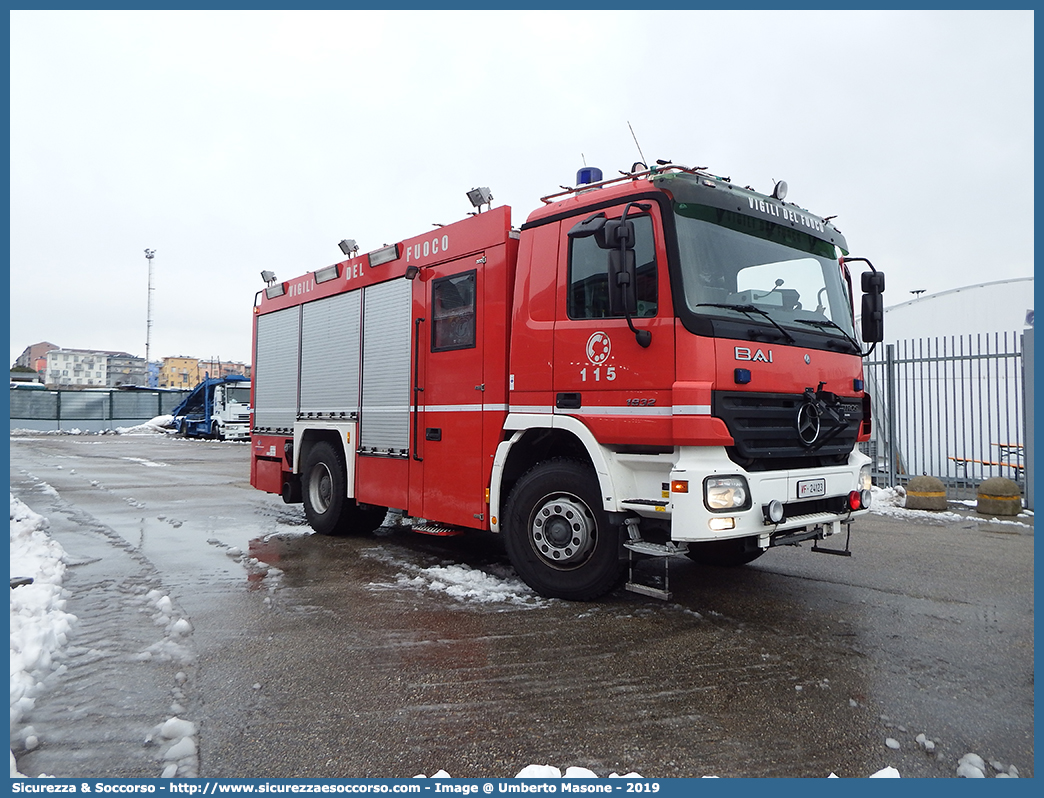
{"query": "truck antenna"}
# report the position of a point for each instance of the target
(636, 144)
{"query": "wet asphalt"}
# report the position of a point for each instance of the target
(315, 656)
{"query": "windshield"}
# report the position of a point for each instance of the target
(729, 260)
(238, 393)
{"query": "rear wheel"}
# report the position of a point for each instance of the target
(324, 485)
(725, 553)
(557, 535)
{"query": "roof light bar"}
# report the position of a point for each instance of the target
(275, 290)
(327, 274)
(384, 255)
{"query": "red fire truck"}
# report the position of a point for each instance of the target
(658, 364)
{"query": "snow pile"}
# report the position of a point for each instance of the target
(159, 424)
(465, 584)
(24, 431)
(892, 502)
(972, 766)
(551, 772)
(39, 622)
(177, 737)
(173, 647)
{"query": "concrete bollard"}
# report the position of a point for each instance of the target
(999, 496)
(926, 493)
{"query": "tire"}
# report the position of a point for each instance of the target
(323, 487)
(324, 484)
(725, 553)
(558, 537)
(215, 432)
(362, 520)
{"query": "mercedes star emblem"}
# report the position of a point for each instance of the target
(808, 423)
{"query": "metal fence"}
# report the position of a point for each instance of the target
(950, 407)
(91, 411)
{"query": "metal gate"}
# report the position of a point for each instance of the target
(951, 407)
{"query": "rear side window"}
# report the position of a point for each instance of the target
(453, 312)
(589, 274)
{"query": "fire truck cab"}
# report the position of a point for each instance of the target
(660, 364)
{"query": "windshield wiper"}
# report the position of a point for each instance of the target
(747, 310)
(828, 323)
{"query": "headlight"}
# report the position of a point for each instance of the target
(723, 494)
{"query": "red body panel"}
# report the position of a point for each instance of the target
(382, 481)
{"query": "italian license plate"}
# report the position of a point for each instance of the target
(811, 488)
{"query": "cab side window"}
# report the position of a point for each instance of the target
(453, 312)
(589, 274)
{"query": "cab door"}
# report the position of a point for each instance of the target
(603, 375)
(449, 393)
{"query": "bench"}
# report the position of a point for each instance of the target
(963, 461)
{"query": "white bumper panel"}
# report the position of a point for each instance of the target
(690, 518)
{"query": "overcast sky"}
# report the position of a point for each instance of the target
(232, 142)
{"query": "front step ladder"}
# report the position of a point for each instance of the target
(635, 545)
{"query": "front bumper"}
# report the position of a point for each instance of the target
(692, 521)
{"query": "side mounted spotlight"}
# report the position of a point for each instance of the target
(268, 276)
(349, 247)
(480, 196)
(412, 272)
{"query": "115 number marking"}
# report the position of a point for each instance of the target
(596, 374)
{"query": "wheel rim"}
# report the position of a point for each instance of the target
(320, 487)
(562, 530)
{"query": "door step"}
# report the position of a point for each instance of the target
(648, 590)
(663, 551)
(668, 549)
(438, 530)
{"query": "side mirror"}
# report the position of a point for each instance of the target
(873, 282)
(872, 316)
(623, 295)
(618, 234)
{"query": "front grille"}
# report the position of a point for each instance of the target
(764, 427)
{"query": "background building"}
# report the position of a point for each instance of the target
(90, 368)
(223, 368)
(179, 372)
(125, 369)
(76, 368)
(35, 356)
(93, 368)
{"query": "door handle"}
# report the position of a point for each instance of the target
(567, 401)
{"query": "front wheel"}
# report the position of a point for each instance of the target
(557, 535)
